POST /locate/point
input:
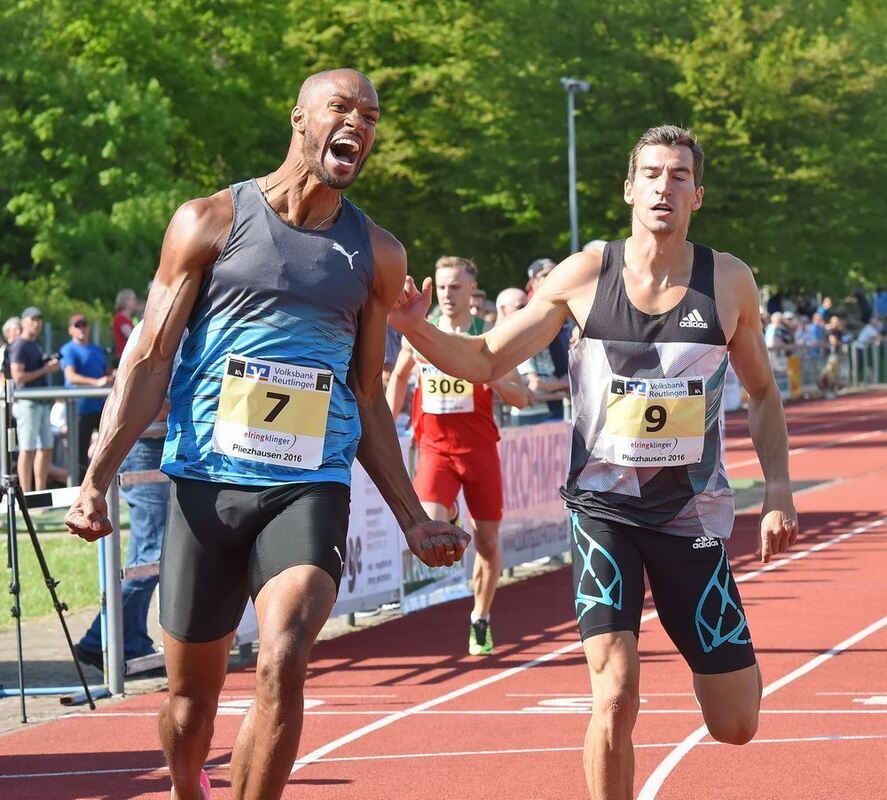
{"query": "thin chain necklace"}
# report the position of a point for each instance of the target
(325, 219)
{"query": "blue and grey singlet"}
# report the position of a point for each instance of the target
(646, 444)
(260, 395)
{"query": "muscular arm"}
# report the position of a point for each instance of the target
(748, 355)
(379, 449)
(193, 241)
(486, 358)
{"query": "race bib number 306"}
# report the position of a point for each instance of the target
(443, 394)
(273, 413)
(655, 422)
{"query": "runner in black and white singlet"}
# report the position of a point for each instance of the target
(284, 286)
(646, 488)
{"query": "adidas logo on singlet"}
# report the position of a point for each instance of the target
(693, 320)
(705, 541)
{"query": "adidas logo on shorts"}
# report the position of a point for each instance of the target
(693, 320)
(706, 541)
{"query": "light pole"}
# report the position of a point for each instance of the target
(572, 86)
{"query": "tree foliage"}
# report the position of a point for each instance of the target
(113, 113)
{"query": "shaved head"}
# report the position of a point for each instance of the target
(510, 300)
(334, 124)
(321, 79)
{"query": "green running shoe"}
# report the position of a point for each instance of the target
(480, 639)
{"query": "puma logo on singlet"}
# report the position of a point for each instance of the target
(693, 320)
(344, 252)
(706, 541)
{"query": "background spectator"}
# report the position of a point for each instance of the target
(12, 329)
(125, 306)
(538, 371)
(537, 271)
(558, 361)
(825, 308)
(830, 378)
(478, 303)
(84, 364)
(778, 336)
(29, 370)
(870, 333)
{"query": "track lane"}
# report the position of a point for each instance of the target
(502, 752)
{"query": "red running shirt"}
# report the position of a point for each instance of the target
(451, 415)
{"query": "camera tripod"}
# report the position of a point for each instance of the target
(15, 498)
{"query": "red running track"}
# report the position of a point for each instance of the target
(399, 712)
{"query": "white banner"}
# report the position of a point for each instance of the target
(372, 559)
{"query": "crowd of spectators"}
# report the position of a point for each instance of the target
(41, 424)
(821, 337)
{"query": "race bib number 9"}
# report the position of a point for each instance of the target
(655, 422)
(273, 413)
(443, 394)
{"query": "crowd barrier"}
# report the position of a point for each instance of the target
(810, 372)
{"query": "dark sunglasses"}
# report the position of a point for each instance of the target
(81, 324)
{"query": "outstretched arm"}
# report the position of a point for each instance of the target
(434, 543)
(748, 354)
(487, 358)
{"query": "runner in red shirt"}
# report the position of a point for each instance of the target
(454, 429)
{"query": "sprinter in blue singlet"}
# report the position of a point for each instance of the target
(284, 286)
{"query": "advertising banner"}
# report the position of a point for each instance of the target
(371, 572)
(534, 466)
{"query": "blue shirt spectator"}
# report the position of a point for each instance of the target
(81, 359)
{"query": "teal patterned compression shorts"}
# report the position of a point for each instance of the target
(690, 579)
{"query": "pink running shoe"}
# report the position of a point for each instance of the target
(205, 788)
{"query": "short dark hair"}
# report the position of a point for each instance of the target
(457, 262)
(670, 135)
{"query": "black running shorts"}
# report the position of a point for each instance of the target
(224, 542)
(690, 579)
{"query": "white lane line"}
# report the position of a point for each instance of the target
(532, 711)
(587, 695)
(798, 450)
(162, 769)
(654, 783)
(320, 752)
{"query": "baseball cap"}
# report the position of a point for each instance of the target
(75, 318)
(32, 311)
(538, 265)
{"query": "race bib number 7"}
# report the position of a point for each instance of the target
(655, 422)
(443, 394)
(273, 413)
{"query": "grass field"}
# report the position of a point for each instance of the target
(71, 561)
